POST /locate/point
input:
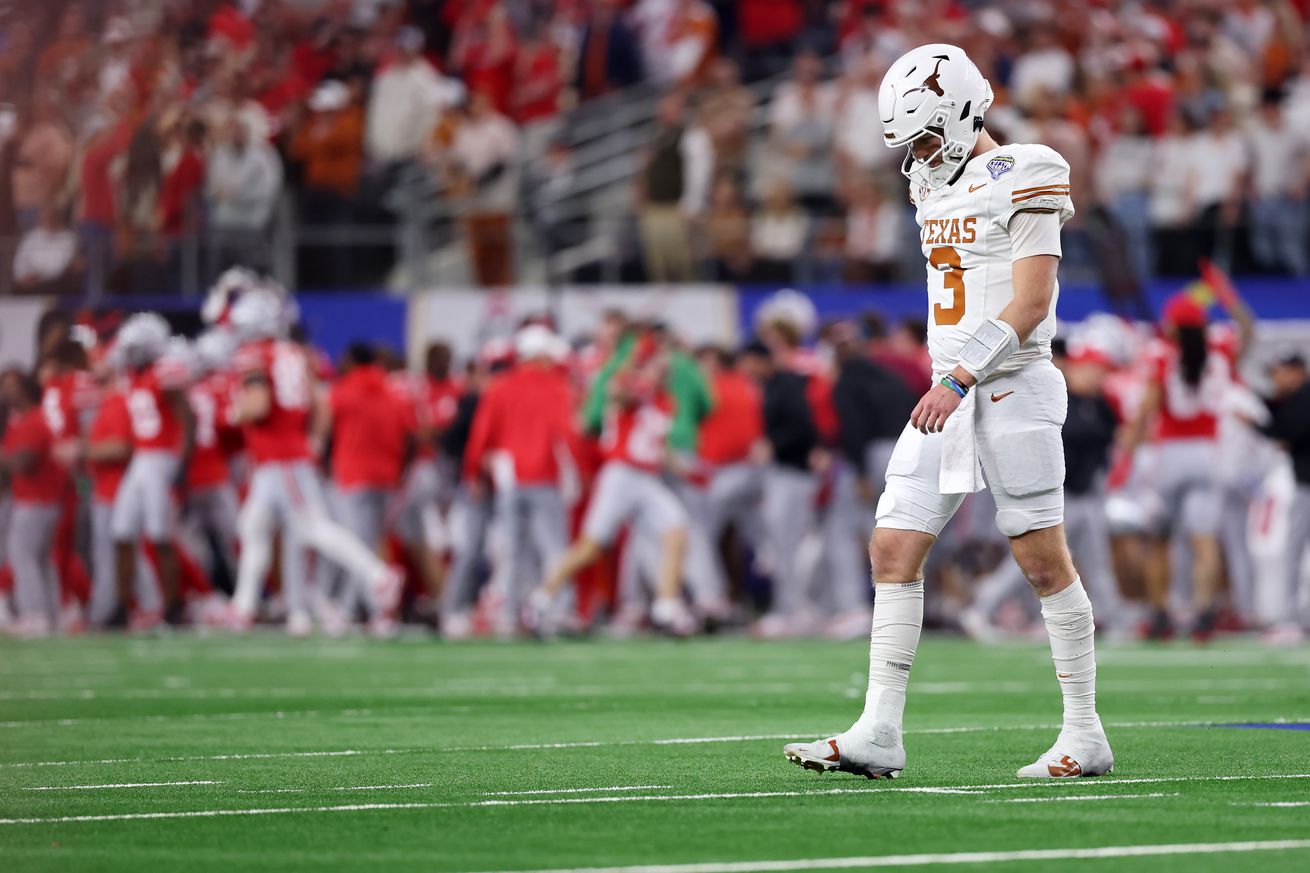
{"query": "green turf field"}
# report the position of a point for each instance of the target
(266, 753)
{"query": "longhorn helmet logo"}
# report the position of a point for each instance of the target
(931, 83)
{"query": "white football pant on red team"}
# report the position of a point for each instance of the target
(290, 496)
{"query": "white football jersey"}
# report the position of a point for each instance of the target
(964, 232)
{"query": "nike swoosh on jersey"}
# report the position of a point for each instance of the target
(973, 188)
(997, 398)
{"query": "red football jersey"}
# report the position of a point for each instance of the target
(112, 422)
(370, 422)
(435, 406)
(282, 435)
(28, 431)
(155, 424)
(637, 435)
(1187, 412)
(735, 422)
(65, 399)
(209, 399)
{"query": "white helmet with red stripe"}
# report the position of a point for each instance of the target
(142, 339)
(214, 349)
(225, 292)
(259, 313)
(180, 359)
(934, 91)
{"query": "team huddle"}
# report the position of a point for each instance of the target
(153, 422)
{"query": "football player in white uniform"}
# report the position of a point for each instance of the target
(990, 219)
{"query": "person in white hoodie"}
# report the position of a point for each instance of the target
(406, 102)
(243, 180)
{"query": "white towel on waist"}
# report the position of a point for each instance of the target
(960, 471)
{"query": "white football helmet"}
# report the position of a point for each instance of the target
(142, 339)
(180, 355)
(213, 350)
(933, 90)
(224, 292)
(259, 313)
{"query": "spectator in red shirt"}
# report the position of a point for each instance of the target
(372, 442)
(98, 211)
(183, 184)
(537, 79)
(484, 51)
(36, 483)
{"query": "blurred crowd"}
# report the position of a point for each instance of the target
(1187, 125)
(619, 481)
(129, 128)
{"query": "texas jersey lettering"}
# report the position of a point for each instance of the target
(965, 238)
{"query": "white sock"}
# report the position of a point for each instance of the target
(893, 639)
(1068, 616)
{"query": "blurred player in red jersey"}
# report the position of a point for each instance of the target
(372, 440)
(275, 400)
(1192, 374)
(163, 435)
(520, 439)
(68, 398)
(211, 504)
(630, 491)
(733, 485)
(430, 479)
(36, 482)
(107, 449)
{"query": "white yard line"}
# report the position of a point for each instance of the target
(253, 756)
(123, 785)
(339, 788)
(590, 744)
(192, 716)
(572, 790)
(631, 798)
(1082, 797)
(1280, 804)
(949, 858)
(552, 688)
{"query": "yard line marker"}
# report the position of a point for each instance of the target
(1082, 797)
(1280, 804)
(571, 790)
(948, 858)
(251, 756)
(340, 788)
(123, 785)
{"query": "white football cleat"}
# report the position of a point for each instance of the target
(670, 615)
(824, 756)
(538, 614)
(1075, 753)
(387, 590)
(299, 624)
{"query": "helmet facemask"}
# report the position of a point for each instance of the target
(942, 165)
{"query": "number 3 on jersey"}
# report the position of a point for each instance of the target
(947, 260)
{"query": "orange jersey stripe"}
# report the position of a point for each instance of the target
(1051, 192)
(1038, 188)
